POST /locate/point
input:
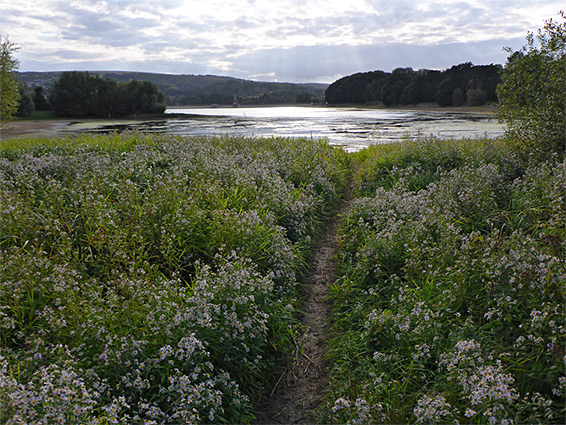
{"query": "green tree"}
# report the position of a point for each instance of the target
(39, 99)
(458, 97)
(396, 85)
(445, 91)
(374, 89)
(71, 94)
(26, 105)
(9, 90)
(532, 94)
(78, 94)
(476, 97)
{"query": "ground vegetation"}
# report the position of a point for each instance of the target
(153, 279)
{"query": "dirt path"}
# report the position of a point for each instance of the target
(298, 392)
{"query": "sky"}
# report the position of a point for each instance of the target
(277, 40)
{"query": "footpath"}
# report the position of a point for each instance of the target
(297, 393)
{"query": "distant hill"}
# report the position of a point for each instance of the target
(202, 89)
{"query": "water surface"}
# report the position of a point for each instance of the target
(351, 128)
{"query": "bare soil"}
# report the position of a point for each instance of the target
(31, 128)
(298, 392)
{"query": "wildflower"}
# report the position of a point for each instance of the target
(340, 403)
(432, 409)
(469, 413)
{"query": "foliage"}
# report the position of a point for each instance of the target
(26, 105)
(79, 94)
(449, 305)
(353, 88)
(151, 279)
(40, 99)
(473, 85)
(202, 89)
(395, 89)
(532, 99)
(9, 92)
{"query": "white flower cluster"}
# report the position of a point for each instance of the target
(452, 285)
(432, 409)
(157, 266)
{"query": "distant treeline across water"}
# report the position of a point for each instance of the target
(464, 84)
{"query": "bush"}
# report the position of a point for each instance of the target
(531, 94)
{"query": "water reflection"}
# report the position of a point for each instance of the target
(352, 128)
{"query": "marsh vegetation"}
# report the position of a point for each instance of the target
(153, 278)
(157, 278)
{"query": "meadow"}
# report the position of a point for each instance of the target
(449, 305)
(151, 279)
(157, 279)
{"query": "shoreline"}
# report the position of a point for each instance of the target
(33, 128)
(482, 109)
(54, 125)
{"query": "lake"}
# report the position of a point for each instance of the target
(351, 128)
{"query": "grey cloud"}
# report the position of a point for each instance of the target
(309, 63)
(452, 21)
(334, 26)
(106, 28)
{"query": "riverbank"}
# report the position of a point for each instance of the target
(317, 122)
(30, 128)
(54, 125)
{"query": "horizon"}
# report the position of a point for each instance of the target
(288, 42)
(101, 71)
(98, 71)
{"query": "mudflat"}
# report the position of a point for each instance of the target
(30, 128)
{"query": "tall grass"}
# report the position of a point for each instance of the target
(154, 279)
(449, 306)
(149, 279)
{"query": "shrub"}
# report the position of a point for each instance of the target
(531, 94)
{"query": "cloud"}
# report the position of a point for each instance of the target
(312, 63)
(288, 40)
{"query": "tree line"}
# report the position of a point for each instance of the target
(79, 94)
(187, 89)
(82, 94)
(464, 84)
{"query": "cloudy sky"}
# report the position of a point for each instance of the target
(275, 40)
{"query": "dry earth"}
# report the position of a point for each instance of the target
(298, 391)
(31, 128)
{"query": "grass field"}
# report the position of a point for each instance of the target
(155, 279)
